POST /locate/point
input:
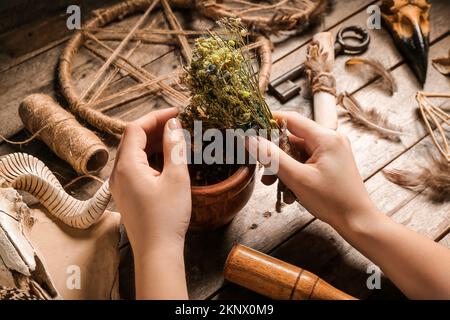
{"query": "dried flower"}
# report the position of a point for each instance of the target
(223, 84)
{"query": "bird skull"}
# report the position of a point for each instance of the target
(407, 21)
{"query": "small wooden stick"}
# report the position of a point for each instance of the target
(175, 25)
(110, 78)
(320, 65)
(146, 89)
(150, 31)
(429, 113)
(277, 279)
(138, 72)
(117, 51)
(128, 55)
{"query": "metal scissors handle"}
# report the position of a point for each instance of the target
(284, 88)
(357, 33)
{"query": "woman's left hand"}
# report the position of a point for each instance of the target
(155, 206)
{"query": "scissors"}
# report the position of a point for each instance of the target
(284, 88)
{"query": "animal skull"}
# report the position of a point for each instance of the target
(407, 21)
(21, 268)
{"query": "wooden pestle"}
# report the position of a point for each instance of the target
(325, 112)
(277, 279)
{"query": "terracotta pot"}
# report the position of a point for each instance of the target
(216, 205)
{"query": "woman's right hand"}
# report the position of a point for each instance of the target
(328, 184)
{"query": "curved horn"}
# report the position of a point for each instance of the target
(27, 173)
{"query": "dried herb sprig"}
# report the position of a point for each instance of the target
(224, 86)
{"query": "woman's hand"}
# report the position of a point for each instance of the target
(155, 206)
(328, 184)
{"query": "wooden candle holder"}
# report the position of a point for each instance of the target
(277, 279)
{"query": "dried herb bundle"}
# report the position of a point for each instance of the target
(225, 90)
(378, 69)
(224, 86)
(370, 118)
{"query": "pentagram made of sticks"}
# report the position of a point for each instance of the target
(90, 104)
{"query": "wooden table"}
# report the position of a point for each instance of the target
(28, 58)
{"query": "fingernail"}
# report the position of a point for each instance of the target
(175, 131)
(174, 124)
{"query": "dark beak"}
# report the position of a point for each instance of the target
(411, 36)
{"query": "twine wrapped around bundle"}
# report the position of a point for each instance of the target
(319, 68)
(63, 134)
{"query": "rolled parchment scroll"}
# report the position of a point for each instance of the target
(319, 67)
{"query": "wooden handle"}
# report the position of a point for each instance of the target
(325, 112)
(276, 279)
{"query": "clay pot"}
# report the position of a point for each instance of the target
(216, 205)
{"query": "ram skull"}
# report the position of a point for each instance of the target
(23, 274)
(407, 21)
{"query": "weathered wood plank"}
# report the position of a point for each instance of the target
(445, 241)
(400, 108)
(17, 13)
(381, 47)
(341, 11)
(46, 26)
